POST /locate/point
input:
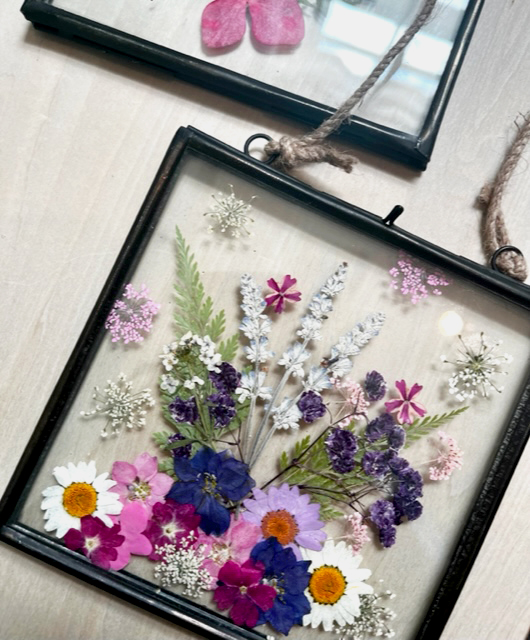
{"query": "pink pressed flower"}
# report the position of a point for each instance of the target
(235, 544)
(140, 481)
(354, 403)
(171, 523)
(282, 293)
(448, 460)
(413, 280)
(287, 515)
(132, 316)
(239, 590)
(406, 406)
(133, 521)
(274, 22)
(96, 541)
(357, 535)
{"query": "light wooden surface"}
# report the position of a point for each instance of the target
(82, 134)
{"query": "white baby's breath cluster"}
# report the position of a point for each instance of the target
(183, 566)
(230, 214)
(121, 407)
(477, 364)
(372, 621)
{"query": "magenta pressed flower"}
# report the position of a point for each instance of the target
(287, 515)
(133, 521)
(235, 544)
(406, 406)
(131, 317)
(282, 293)
(171, 523)
(274, 22)
(140, 481)
(240, 591)
(96, 541)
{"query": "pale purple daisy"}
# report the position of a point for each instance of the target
(287, 515)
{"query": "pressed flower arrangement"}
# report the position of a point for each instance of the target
(258, 434)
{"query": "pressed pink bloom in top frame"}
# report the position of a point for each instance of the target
(274, 22)
(282, 293)
(406, 406)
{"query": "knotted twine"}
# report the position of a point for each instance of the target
(494, 232)
(291, 151)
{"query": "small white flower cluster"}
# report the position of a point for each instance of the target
(177, 352)
(183, 566)
(255, 324)
(230, 214)
(122, 408)
(372, 620)
(476, 367)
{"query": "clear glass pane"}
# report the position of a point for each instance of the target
(421, 329)
(343, 41)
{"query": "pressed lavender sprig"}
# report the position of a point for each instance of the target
(255, 326)
(294, 357)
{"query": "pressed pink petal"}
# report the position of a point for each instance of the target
(276, 22)
(274, 285)
(224, 596)
(230, 574)
(263, 595)
(295, 296)
(404, 416)
(271, 299)
(244, 536)
(123, 472)
(160, 484)
(287, 283)
(392, 405)
(418, 408)
(414, 390)
(223, 23)
(279, 305)
(146, 466)
(244, 612)
(250, 573)
(139, 545)
(123, 557)
(134, 518)
(402, 388)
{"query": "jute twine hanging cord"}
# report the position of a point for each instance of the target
(494, 232)
(291, 152)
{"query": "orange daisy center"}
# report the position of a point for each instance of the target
(327, 585)
(280, 524)
(79, 499)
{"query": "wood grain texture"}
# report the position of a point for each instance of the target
(82, 135)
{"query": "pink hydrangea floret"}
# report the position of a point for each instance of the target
(357, 533)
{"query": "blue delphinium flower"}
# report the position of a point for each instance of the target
(290, 577)
(208, 481)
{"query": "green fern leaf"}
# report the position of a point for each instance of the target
(228, 348)
(419, 428)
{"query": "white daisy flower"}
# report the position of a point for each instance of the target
(79, 493)
(335, 585)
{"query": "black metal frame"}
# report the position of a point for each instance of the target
(189, 141)
(414, 151)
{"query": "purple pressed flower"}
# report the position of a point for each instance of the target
(311, 406)
(379, 427)
(179, 452)
(240, 591)
(396, 438)
(184, 410)
(221, 409)
(396, 464)
(406, 406)
(227, 379)
(96, 541)
(374, 386)
(376, 463)
(171, 523)
(132, 316)
(286, 515)
(409, 488)
(341, 447)
(282, 294)
(383, 515)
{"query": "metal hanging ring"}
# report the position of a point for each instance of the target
(260, 136)
(497, 253)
